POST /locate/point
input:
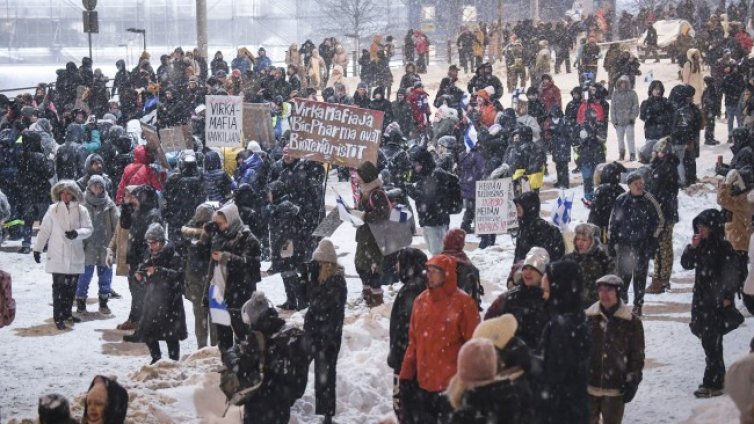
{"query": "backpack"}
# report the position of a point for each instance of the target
(469, 282)
(7, 303)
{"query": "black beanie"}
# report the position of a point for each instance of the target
(367, 172)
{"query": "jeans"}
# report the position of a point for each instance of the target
(633, 262)
(610, 408)
(732, 112)
(627, 132)
(587, 173)
(104, 279)
(63, 291)
(433, 237)
(680, 152)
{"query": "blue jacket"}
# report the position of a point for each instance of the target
(248, 172)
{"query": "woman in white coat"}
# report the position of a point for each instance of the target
(64, 228)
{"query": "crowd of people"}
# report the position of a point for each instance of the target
(561, 345)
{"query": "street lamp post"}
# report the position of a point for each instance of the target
(143, 33)
(90, 21)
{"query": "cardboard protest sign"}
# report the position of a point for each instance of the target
(327, 227)
(333, 133)
(82, 99)
(175, 139)
(149, 133)
(223, 127)
(257, 124)
(494, 203)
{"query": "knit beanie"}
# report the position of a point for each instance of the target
(155, 232)
(633, 177)
(454, 239)
(54, 408)
(537, 258)
(255, 308)
(477, 362)
(325, 252)
(367, 172)
(499, 330)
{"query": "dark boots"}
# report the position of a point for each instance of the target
(81, 306)
(290, 283)
(103, 309)
(372, 297)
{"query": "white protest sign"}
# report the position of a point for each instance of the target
(224, 123)
(494, 203)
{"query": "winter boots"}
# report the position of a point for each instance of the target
(103, 309)
(290, 282)
(632, 157)
(637, 311)
(706, 392)
(80, 306)
(372, 297)
(658, 286)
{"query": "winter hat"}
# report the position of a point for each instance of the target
(537, 258)
(447, 141)
(361, 85)
(490, 90)
(587, 230)
(54, 409)
(96, 179)
(610, 280)
(254, 147)
(476, 366)
(454, 239)
(155, 232)
(255, 308)
(367, 172)
(325, 252)
(664, 146)
(734, 179)
(499, 330)
(109, 117)
(633, 177)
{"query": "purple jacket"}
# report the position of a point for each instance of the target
(470, 170)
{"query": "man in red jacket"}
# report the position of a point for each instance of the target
(442, 320)
(139, 173)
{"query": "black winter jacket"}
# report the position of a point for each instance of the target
(663, 185)
(535, 231)
(657, 114)
(412, 263)
(528, 306)
(163, 317)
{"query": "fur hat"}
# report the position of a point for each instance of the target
(537, 258)
(455, 239)
(610, 280)
(155, 232)
(499, 330)
(325, 252)
(735, 180)
(477, 365)
(590, 231)
(367, 171)
(255, 308)
(664, 146)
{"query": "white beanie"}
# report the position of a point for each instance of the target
(254, 147)
(537, 258)
(325, 252)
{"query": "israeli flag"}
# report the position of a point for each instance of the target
(344, 212)
(470, 137)
(218, 309)
(400, 213)
(561, 213)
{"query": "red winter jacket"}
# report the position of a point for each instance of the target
(138, 173)
(581, 114)
(442, 320)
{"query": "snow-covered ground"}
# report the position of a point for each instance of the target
(37, 359)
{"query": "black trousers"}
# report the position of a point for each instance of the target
(370, 278)
(174, 349)
(632, 263)
(469, 211)
(561, 56)
(325, 356)
(138, 291)
(709, 127)
(225, 334)
(714, 370)
(432, 407)
(63, 293)
(561, 170)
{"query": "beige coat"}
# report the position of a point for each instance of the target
(119, 247)
(340, 57)
(739, 229)
(316, 69)
(694, 79)
(336, 76)
(739, 385)
(293, 57)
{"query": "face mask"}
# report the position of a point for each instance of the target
(378, 96)
(555, 120)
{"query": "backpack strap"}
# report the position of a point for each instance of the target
(389, 203)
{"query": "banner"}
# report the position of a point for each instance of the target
(257, 124)
(224, 123)
(333, 133)
(176, 139)
(495, 212)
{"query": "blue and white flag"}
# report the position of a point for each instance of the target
(218, 309)
(561, 212)
(400, 213)
(345, 213)
(470, 137)
(649, 77)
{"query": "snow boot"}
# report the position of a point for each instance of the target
(657, 286)
(637, 311)
(133, 338)
(707, 392)
(366, 294)
(25, 250)
(621, 156)
(290, 282)
(127, 325)
(60, 325)
(375, 298)
(114, 295)
(632, 157)
(103, 309)
(80, 306)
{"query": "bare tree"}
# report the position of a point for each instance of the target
(353, 18)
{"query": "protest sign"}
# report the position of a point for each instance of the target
(224, 121)
(257, 124)
(494, 203)
(333, 133)
(175, 139)
(150, 134)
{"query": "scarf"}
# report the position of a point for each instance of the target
(96, 200)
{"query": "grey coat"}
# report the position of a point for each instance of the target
(624, 108)
(104, 220)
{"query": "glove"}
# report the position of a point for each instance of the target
(126, 208)
(630, 387)
(38, 257)
(71, 235)
(210, 227)
(110, 258)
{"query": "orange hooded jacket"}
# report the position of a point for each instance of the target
(442, 320)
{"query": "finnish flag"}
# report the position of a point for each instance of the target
(218, 309)
(561, 213)
(400, 213)
(345, 214)
(470, 137)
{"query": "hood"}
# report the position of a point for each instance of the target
(71, 68)
(147, 196)
(378, 90)
(576, 91)
(97, 179)
(91, 158)
(656, 84)
(611, 173)
(117, 400)
(424, 157)
(740, 139)
(74, 133)
(66, 185)
(252, 162)
(678, 95)
(566, 285)
(31, 142)
(140, 155)
(212, 161)
(410, 68)
(121, 65)
(123, 144)
(624, 83)
(203, 213)
(230, 212)
(711, 218)
(245, 196)
(691, 52)
(42, 125)
(412, 263)
(529, 202)
(447, 264)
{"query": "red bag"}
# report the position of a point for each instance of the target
(7, 303)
